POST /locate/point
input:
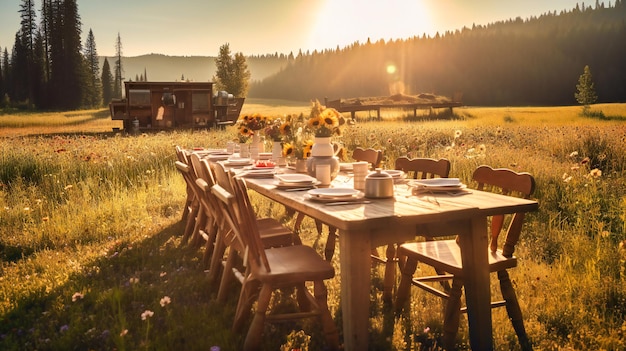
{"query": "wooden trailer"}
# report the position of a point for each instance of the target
(170, 105)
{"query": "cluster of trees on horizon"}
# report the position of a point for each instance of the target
(534, 61)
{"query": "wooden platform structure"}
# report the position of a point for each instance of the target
(398, 101)
(170, 105)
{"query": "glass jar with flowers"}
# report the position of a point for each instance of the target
(297, 141)
(252, 125)
(274, 132)
(324, 123)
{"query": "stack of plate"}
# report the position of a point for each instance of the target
(334, 195)
(265, 155)
(237, 161)
(294, 181)
(440, 185)
(398, 176)
(218, 156)
(258, 173)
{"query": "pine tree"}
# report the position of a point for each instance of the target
(107, 83)
(93, 91)
(585, 91)
(117, 85)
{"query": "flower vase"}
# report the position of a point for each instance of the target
(323, 152)
(277, 150)
(301, 165)
(244, 150)
(256, 140)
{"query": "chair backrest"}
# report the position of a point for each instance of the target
(222, 176)
(374, 157)
(423, 168)
(506, 182)
(229, 209)
(205, 182)
(250, 232)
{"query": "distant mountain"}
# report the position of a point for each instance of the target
(195, 68)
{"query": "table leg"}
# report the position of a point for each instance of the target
(355, 263)
(476, 280)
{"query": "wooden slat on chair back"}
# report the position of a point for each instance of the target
(228, 205)
(507, 182)
(423, 168)
(222, 176)
(251, 235)
(374, 157)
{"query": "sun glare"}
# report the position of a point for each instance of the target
(343, 22)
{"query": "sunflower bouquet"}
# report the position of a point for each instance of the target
(297, 140)
(249, 125)
(325, 122)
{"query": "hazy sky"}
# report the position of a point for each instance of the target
(200, 27)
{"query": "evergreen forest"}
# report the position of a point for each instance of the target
(515, 62)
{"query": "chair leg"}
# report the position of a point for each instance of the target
(513, 309)
(390, 273)
(247, 297)
(201, 223)
(255, 333)
(330, 329)
(217, 256)
(329, 249)
(408, 265)
(191, 222)
(209, 247)
(227, 276)
(452, 315)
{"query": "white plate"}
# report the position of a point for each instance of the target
(295, 178)
(287, 186)
(438, 182)
(218, 157)
(394, 173)
(333, 192)
(258, 173)
(356, 197)
(238, 161)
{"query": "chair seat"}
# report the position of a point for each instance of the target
(294, 264)
(446, 255)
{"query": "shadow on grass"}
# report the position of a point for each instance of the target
(101, 307)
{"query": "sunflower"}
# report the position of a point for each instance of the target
(287, 150)
(315, 122)
(329, 118)
(306, 148)
(285, 128)
(244, 130)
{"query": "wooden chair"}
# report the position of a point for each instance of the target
(181, 157)
(194, 209)
(445, 255)
(374, 157)
(415, 168)
(271, 269)
(272, 232)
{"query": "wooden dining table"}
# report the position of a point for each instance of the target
(378, 222)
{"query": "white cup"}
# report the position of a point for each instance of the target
(360, 170)
(230, 147)
(322, 173)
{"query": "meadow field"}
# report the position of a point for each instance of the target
(90, 224)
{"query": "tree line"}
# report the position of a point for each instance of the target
(534, 61)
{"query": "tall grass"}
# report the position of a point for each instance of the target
(90, 235)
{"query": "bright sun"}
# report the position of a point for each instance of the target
(343, 22)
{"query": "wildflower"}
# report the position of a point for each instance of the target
(596, 173)
(146, 314)
(575, 168)
(566, 177)
(403, 150)
(573, 154)
(482, 148)
(77, 296)
(134, 280)
(26, 209)
(124, 332)
(457, 133)
(389, 141)
(585, 161)
(163, 274)
(64, 328)
(67, 187)
(372, 136)
(45, 219)
(165, 300)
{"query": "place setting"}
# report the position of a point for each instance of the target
(336, 196)
(445, 186)
(259, 169)
(295, 182)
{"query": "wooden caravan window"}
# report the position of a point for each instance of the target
(139, 97)
(200, 102)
